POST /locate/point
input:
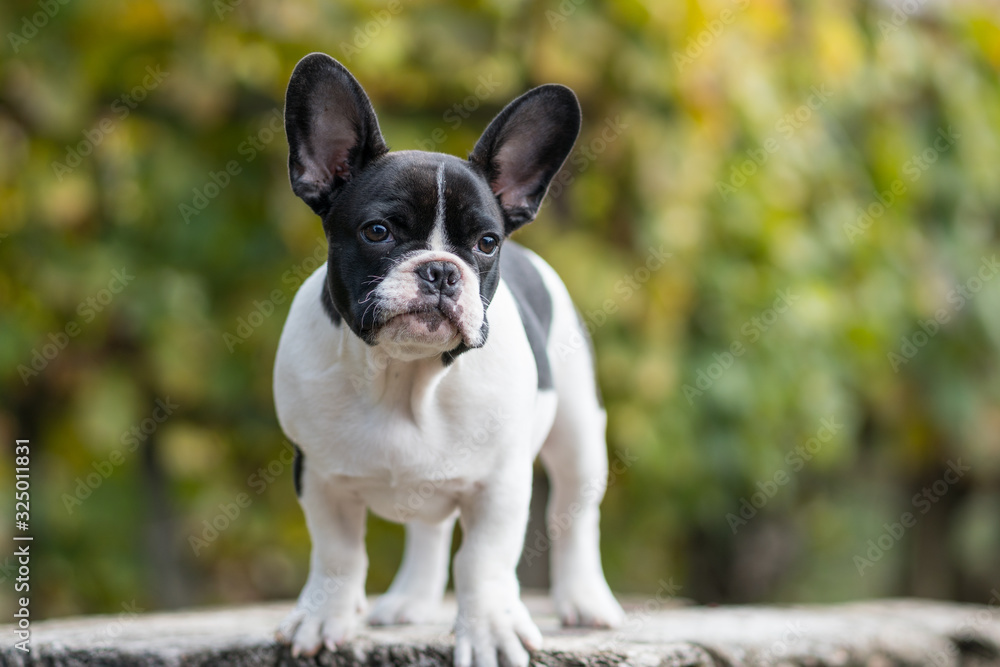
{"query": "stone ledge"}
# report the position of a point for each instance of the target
(878, 633)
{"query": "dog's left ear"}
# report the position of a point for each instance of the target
(523, 148)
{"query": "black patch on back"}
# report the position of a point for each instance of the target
(328, 307)
(297, 470)
(534, 303)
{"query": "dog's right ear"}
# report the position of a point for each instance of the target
(332, 130)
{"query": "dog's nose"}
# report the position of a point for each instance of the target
(440, 277)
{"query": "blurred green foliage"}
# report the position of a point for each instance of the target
(782, 153)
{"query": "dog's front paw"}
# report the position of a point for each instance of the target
(402, 609)
(484, 632)
(590, 605)
(316, 622)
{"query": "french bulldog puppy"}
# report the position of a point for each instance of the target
(418, 374)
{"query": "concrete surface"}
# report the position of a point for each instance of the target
(657, 634)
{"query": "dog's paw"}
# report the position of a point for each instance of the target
(401, 609)
(310, 627)
(589, 606)
(490, 632)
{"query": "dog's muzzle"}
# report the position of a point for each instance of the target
(430, 301)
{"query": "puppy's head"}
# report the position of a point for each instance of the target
(414, 236)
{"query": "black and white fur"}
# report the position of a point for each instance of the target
(418, 375)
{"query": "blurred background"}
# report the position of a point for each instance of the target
(780, 223)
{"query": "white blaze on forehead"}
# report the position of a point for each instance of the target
(437, 239)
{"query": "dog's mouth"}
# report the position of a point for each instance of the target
(423, 316)
(425, 325)
(432, 319)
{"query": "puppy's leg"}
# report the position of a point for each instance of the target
(329, 606)
(418, 587)
(492, 620)
(575, 457)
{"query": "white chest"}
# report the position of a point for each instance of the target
(406, 436)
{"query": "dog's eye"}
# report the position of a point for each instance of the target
(488, 244)
(376, 232)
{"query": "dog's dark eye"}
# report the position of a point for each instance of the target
(376, 232)
(487, 245)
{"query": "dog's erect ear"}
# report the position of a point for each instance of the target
(524, 147)
(332, 129)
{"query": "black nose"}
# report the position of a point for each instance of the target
(440, 277)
